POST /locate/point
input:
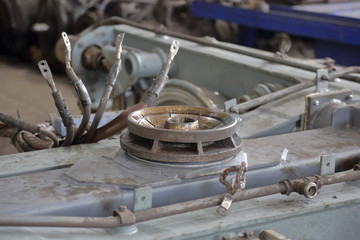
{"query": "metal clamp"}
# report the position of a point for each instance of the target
(322, 80)
(126, 216)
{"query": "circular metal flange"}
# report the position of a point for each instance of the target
(181, 134)
(149, 123)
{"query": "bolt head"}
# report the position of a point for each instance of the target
(122, 208)
(316, 103)
(349, 97)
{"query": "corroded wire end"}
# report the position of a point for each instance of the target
(175, 45)
(45, 71)
(67, 49)
(118, 45)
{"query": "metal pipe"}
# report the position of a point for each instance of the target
(125, 217)
(281, 187)
(345, 71)
(271, 97)
(120, 122)
(80, 89)
(60, 103)
(116, 68)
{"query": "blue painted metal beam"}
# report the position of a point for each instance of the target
(317, 26)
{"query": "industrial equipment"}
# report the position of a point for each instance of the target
(210, 171)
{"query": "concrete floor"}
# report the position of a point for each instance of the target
(23, 88)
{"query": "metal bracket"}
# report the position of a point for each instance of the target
(327, 164)
(316, 101)
(142, 198)
(322, 78)
(229, 105)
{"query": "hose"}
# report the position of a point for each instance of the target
(115, 69)
(120, 122)
(80, 89)
(60, 103)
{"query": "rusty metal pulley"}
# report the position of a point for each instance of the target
(181, 134)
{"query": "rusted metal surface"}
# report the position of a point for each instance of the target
(149, 123)
(187, 134)
(126, 216)
(23, 125)
(239, 177)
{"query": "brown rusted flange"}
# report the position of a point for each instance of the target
(198, 134)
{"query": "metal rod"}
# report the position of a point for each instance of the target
(243, 195)
(272, 96)
(283, 187)
(116, 68)
(345, 71)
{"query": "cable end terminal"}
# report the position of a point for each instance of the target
(45, 71)
(118, 44)
(175, 45)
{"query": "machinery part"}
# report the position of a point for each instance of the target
(25, 141)
(272, 235)
(261, 90)
(116, 68)
(225, 205)
(122, 217)
(139, 64)
(120, 122)
(184, 93)
(60, 103)
(127, 217)
(206, 42)
(154, 91)
(344, 72)
(22, 125)
(231, 189)
(93, 58)
(281, 187)
(242, 107)
(80, 89)
(239, 178)
(333, 108)
(188, 134)
(322, 78)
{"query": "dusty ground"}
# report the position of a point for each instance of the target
(23, 88)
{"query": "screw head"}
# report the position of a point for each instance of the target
(349, 97)
(122, 208)
(316, 103)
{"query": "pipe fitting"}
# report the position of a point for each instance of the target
(308, 189)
